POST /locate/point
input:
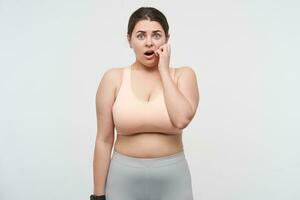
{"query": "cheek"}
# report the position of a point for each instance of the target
(159, 44)
(138, 51)
(137, 45)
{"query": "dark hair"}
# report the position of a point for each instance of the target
(147, 13)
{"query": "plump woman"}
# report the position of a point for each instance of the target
(149, 103)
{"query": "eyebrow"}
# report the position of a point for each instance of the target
(152, 31)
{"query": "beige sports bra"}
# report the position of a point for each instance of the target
(132, 115)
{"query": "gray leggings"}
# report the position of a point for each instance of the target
(160, 178)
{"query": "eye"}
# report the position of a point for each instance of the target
(157, 35)
(139, 36)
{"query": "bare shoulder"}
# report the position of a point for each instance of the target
(113, 75)
(112, 78)
(112, 72)
(187, 70)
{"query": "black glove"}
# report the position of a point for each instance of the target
(95, 197)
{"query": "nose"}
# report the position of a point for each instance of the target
(149, 41)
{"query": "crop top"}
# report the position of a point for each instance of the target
(132, 115)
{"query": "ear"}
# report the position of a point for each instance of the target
(128, 39)
(168, 38)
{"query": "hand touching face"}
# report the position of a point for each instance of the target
(164, 54)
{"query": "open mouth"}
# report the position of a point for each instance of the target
(149, 53)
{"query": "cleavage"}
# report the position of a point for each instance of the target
(141, 83)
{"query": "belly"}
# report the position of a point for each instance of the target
(148, 145)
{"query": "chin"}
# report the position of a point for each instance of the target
(151, 65)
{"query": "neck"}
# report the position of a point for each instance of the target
(141, 67)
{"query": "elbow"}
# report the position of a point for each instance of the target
(184, 121)
(182, 124)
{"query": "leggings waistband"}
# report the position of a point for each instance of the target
(147, 162)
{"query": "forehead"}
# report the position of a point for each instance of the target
(146, 25)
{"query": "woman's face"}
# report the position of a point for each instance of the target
(147, 35)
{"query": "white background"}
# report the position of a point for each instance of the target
(243, 143)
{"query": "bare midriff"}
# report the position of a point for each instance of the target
(149, 144)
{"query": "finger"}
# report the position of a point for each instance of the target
(163, 48)
(167, 48)
(157, 52)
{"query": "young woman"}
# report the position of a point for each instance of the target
(149, 103)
